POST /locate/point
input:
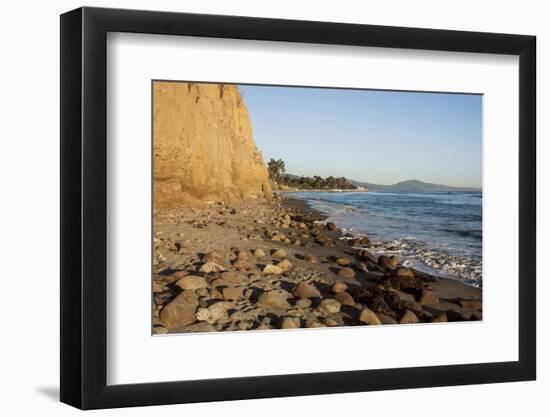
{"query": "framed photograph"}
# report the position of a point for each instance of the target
(258, 208)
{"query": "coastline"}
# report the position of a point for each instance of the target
(324, 190)
(260, 265)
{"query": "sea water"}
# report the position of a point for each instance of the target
(438, 233)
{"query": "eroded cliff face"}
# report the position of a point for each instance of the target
(203, 147)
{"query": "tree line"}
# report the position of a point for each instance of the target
(277, 172)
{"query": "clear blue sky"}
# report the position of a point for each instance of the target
(381, 137)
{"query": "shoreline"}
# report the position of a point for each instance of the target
(396, 246)
(324, 191)
(259, 265)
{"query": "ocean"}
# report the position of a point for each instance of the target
(438, 233)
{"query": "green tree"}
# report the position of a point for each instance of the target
(276, 169)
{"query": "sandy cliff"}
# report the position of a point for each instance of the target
(203, 146)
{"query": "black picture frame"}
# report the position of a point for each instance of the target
(84, 207)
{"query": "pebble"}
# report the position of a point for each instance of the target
(368, 316)
(180, 311)
(234, 277)
(402, 272)
(275, 299)
(346, 273)
(272, 269)
(209, 267)
(191, 282)
(259, 253)
(214, 312)
(241, 264)
(408, 318)
(202, 292)
(386, 319)
(343, 261)
(290, 323)
(330, 322)
(212, 257)
(279, 253)
(344, 298)
(339, 287)
(285, 265)
(232, 293)
(428, 297)
(303, 303)
(330, 305)
(304, 290)
(331, 227)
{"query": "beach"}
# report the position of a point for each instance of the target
(278, 264)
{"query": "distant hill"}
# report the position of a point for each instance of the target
(413, 186)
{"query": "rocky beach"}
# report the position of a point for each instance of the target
(231, 252)
(277, 265)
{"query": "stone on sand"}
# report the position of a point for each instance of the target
(304, 290)
(214, 312)
(346, 273)
(285, 265)
(234, 277)
(274, 299)
(191, 282)
(279, 253)
(180, 311)
(272, 269)
(232, 293)
(303, 303)
(339, 287)
(408, 318)
(209, 267)
(344, 298)
(331, 227)
(212, 257)
(386, 319)
(342, 261)
(428, 297)
(368, 316)
(259, 253)
(290, 323)
(403, 272)
(330, 305)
